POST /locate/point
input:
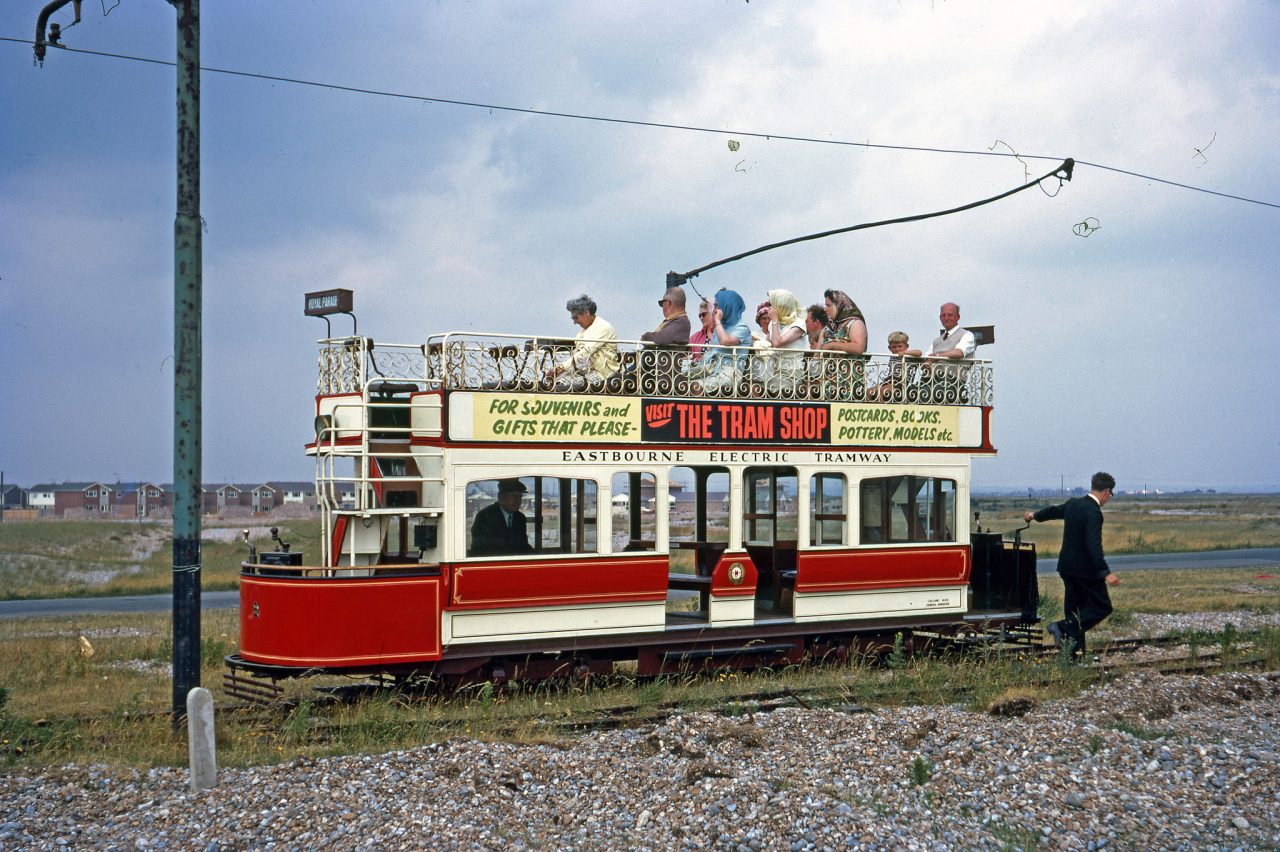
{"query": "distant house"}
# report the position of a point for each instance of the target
(231, 498)
(148, 499)
(93, 499)
(13, 496)
(295, 492)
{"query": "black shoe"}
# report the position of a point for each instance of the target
(1055, 633)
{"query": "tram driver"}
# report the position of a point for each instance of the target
(501, 529)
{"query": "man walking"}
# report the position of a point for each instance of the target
(1084, 570)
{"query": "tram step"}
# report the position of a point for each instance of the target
(252, 690)
(721, 653)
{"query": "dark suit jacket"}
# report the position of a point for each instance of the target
(490, 535)
(1081, 554)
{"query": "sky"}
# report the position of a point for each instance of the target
(1144, 347)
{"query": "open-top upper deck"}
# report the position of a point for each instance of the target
(500, 362)
(502, 388)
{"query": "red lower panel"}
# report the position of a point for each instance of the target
(881, 569)
(358, 621)
(555, 582)
(723, 587)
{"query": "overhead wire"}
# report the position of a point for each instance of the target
(660, 125)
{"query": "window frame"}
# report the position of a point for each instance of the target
(937, 527)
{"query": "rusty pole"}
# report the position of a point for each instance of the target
(187, 275)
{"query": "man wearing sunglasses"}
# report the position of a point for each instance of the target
(1084, 570)
(674, 328)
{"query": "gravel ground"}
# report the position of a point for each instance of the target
(1146, 762)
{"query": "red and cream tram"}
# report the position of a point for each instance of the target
(792, 514)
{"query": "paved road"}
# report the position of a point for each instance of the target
(1263, 557)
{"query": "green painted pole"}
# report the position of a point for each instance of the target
(187, 273)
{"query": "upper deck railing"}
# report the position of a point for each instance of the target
(489, 362)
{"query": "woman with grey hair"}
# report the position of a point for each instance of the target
(595, 350)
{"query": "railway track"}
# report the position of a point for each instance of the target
(850, 694)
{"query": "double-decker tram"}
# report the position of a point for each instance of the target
(483, 521)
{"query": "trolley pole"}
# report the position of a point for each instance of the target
(187, 306)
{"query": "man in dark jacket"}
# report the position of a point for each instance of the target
(500, 529)
(1084, 570)
(674, 328)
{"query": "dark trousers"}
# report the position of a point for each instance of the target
(1085, 603)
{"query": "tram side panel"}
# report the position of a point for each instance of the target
(356, 622)
(550, 598)
(881, 582)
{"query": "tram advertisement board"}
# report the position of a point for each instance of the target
(537, 418)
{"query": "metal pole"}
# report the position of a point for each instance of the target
(187, 368)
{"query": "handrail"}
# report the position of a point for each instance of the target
(517, 363)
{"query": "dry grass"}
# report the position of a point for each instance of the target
(111, 705)
(51, 559)
(1154, 524)
(1198, 590)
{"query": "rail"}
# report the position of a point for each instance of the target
(466, 361)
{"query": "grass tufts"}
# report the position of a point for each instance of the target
(920, 771)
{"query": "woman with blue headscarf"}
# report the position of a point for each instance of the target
(719, 372)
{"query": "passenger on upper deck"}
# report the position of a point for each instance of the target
(952, 341)
(595, 351)
(501, 529)
(721, 369)
(948, 384)
(706, 315)
(847, 329)
(815, 320)
(899, 376)
(845, 334)
(786, 335)
(674, 328)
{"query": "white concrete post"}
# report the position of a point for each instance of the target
(200, 739)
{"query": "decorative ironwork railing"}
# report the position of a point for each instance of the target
(464, 361)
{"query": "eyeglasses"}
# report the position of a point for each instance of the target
(662, 302)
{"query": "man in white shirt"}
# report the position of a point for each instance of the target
(947, 384)
(952, 341)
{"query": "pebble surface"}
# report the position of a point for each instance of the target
(1145, 762)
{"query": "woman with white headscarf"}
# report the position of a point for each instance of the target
(787, 339)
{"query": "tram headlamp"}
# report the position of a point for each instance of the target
(324, 423)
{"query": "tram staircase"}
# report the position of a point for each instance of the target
(390, 478)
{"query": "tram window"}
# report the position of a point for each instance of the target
(698, 520)
(550, 515)
(635, 515)
(908, 509)
(827, 517)
(769, 514)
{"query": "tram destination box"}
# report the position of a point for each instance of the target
(324, 302)
(291, 558)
